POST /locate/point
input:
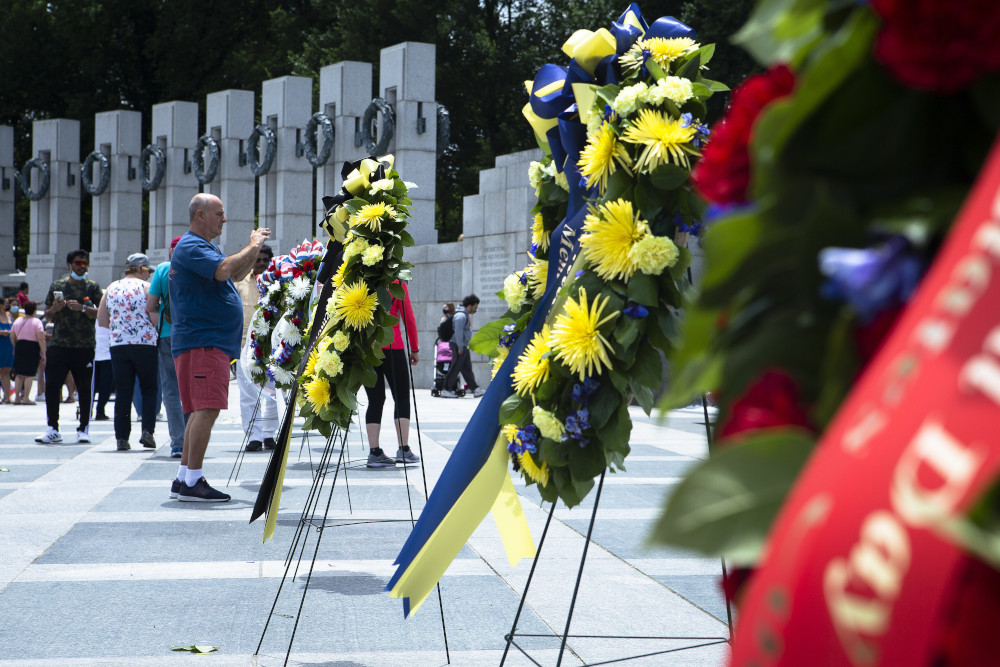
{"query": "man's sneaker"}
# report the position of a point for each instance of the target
(123, 446)
(448, 393)
(254, 445)
(82, 436)
(269, 443)
(201, 492)
(378, 459)
(405, 456)
(50, 436)
(147, 440)
(479, 391)
(101, 417)
(176, 452)
(175, 488)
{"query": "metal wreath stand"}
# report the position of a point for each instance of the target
(703, 642)
(311, 516)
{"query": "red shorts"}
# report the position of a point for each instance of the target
(203, 379)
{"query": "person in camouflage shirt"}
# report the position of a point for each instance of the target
(71, 305)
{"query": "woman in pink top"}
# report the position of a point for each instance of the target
(28, 336)
(393, 370)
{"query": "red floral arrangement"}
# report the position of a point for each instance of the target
(772, 400)
(723, 172)
(938, 45)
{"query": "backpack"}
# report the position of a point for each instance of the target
(446, 329)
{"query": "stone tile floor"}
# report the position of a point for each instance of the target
(99, 567)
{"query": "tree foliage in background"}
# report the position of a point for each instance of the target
(76, 58)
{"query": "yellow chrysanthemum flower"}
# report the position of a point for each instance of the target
(538, 275)
(533, 365)
(338, 277)
(539, 236)
(318, 393)
(663, 50)
(509, 431)
(371, 215)
(310, 369)
(502, 353)
(609, 233)
(602, 156)
(665, 140)
(356, 305)
(539, 475)
(576, 338)
(652, 254)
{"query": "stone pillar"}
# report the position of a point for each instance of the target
(55, 218)
(406, 81)
(7, 185)
(175, 131)
(117, 213)
(229, 119)
(345, 91)
(285, 192)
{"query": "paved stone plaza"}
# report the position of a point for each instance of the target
(99, 567)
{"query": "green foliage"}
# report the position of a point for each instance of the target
(725, 505)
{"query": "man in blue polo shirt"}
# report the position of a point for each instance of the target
(207, 319)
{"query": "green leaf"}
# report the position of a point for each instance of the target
(585, 462)
(552, 452)
(346, 396)
(619, 186)
(643, 396)
(4, 469)
(514, 409)
(603, 405)
(647, 369)
(626, 330)
(405, 275)
(780, 31)
(195, 648)
(691, 68)
(617, 430)
(396, 290)
(725, 505)
(487, 338)
(642, 289)
(655, 70)
(668, 176)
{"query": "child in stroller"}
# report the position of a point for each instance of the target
(442, 354)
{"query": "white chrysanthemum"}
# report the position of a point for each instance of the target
(286, 331)
(281, 376)
(299, 288)
(259, 323)
(384, 184)
(514, 293)
(628, 97)
(674, 88)
(273, 288)
(256, 370)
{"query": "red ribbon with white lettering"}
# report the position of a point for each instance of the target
(858, 570)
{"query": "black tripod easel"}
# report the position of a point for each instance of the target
(315, 520)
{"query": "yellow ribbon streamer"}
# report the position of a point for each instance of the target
(588, 47)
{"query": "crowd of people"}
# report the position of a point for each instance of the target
(169, 335)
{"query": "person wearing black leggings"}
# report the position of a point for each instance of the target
(394, 372)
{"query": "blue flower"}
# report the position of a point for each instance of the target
(580, 272)
(534, 250)
(686, 120)
(609, 113)
(523, 278)
(583, 392)
(637, 311)
(526, 439)
(576, 424)
(871, 279)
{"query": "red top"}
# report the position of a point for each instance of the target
(410, 322)
(22, 299)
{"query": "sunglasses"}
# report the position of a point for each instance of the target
(81, 263)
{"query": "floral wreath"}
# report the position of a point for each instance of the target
(370, 217)
(568, 418)
(281, 321)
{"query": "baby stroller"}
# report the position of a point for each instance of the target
(442, 362)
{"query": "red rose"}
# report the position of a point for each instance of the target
(296, 321)
(772, 400)
(266, 314)
(258, 352)
(722, 175)
(296, 272)
(938, 45)
(308, 266)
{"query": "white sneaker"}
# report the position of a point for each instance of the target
(447, 393)
(478, 392)
(50, 436)
(82, 436)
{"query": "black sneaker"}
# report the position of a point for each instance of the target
(147, 440)
(254, 445)
(201, 492)
(175, 487)
(269, 443)
(123, 446)
(101, 417)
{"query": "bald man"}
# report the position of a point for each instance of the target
(207, 320)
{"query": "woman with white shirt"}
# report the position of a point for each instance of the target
(133, 348)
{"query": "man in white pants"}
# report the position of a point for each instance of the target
(262, 426)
